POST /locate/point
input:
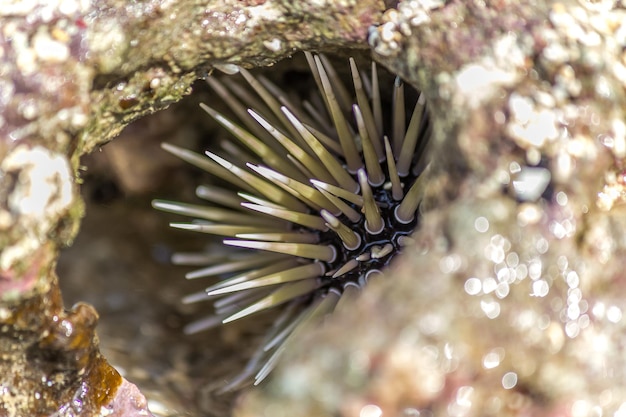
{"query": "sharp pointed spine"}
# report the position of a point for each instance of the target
(267, 174)
(349, 238)
(307, 220)
(372, 164)
(309, 193)
(345, 138)
(294, 237)
(236, 106)
(314, 313)
(270, 191)
(282, 98)
(259, 201)
(339, 192)
(257, 146)
(330, 162)
(326, 140)
(304, 250)
(373, 221)
(377, 107)
(276, 266)
(233, 266)
(208, 213)
(267, 97)
(396, 185)
(407, 151)
(203, 324)
(399, 116)
(252, 102)
(281, 335)
(295, 150)
(345, 209)
(205, 164)
(341, 92)
(281, 295)
(405, 211)
(235, 302)
(347, 267)
(228, 230)
(218, 195)
(364, 257)
(311, 270)
(366, 110)
(195, 258)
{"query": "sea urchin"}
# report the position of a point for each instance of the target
(322, 200)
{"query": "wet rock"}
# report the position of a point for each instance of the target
(72, 75)
(503, 307)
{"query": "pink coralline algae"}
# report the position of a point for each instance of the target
(512, 302)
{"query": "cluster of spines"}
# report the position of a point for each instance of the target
(332, 201)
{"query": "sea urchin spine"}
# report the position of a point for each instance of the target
(331, 200)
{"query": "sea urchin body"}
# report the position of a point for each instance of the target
(321, 201)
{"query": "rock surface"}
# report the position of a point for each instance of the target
(72, 75)
(511, 302)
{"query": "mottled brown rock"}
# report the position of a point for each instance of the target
(512, 300)
(50, 360)
(72, 75)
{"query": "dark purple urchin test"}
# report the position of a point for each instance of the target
(321, 201)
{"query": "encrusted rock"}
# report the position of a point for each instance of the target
(512, 303)
(73, 73)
